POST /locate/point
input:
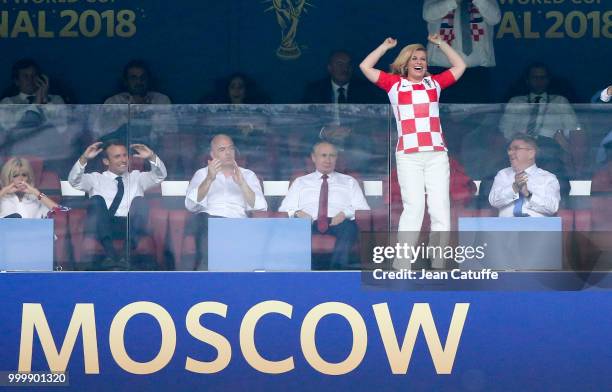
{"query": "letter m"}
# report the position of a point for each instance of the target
(33, 319)
(443, 357)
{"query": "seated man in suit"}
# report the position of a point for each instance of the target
(523, 189)
(221, 190)
(329, 199)
(547, 117)
(340, 86)
(115, 194)
(539, 113)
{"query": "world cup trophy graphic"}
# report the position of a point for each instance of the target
(288, 14)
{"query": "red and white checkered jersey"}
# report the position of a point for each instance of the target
(415, 106)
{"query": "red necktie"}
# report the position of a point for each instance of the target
(322, 223)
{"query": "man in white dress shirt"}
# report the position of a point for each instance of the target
(467, 26)
(523, 189)
(334, 214)
(151, 123)
(137, 82)
(221, 190)
(539, 113)
(115, 194)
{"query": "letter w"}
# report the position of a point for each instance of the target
(443, 358)
(83, 317)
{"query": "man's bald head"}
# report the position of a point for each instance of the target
(220, 138)
(222, 148)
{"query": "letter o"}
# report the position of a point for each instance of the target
(168, 338)
(358, 329)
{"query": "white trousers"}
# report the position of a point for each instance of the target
(419, 173)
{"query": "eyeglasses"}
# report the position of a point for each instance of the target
(519, 148)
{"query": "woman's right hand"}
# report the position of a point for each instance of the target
(8, 190)
(389, 43)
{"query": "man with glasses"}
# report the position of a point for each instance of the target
(523, 189)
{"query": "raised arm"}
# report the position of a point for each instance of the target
(457, 64)
(158, 171)
(367, 65)
(77, 177)
(489, 9)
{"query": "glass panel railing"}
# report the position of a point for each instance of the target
(273, 146)
(157, 225)
(46, 141)
(566, 141)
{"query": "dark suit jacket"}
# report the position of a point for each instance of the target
(359, 91)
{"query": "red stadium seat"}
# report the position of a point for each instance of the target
(181, 245)
(60, 250)
(86, 247)
(49, 182)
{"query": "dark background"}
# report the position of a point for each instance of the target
(189, 44)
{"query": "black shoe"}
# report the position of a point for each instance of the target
(112, 264)
(120, 265)
(105, 264)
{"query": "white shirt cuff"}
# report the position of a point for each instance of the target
(604, 95)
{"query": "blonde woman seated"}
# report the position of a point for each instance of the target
(18, 196)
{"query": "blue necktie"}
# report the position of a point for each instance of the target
(518, 206)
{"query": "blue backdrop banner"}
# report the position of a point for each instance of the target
(83, 44)
(298, 332)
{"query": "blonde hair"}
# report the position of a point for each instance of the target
(398, 66)
(14, 165)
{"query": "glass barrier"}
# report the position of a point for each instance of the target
(273, 145)
(44, 142)
(159, 222)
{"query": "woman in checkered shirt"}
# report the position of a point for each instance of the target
(421, 153)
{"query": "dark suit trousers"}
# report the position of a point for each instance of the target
(346, 235)
(107, 228)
